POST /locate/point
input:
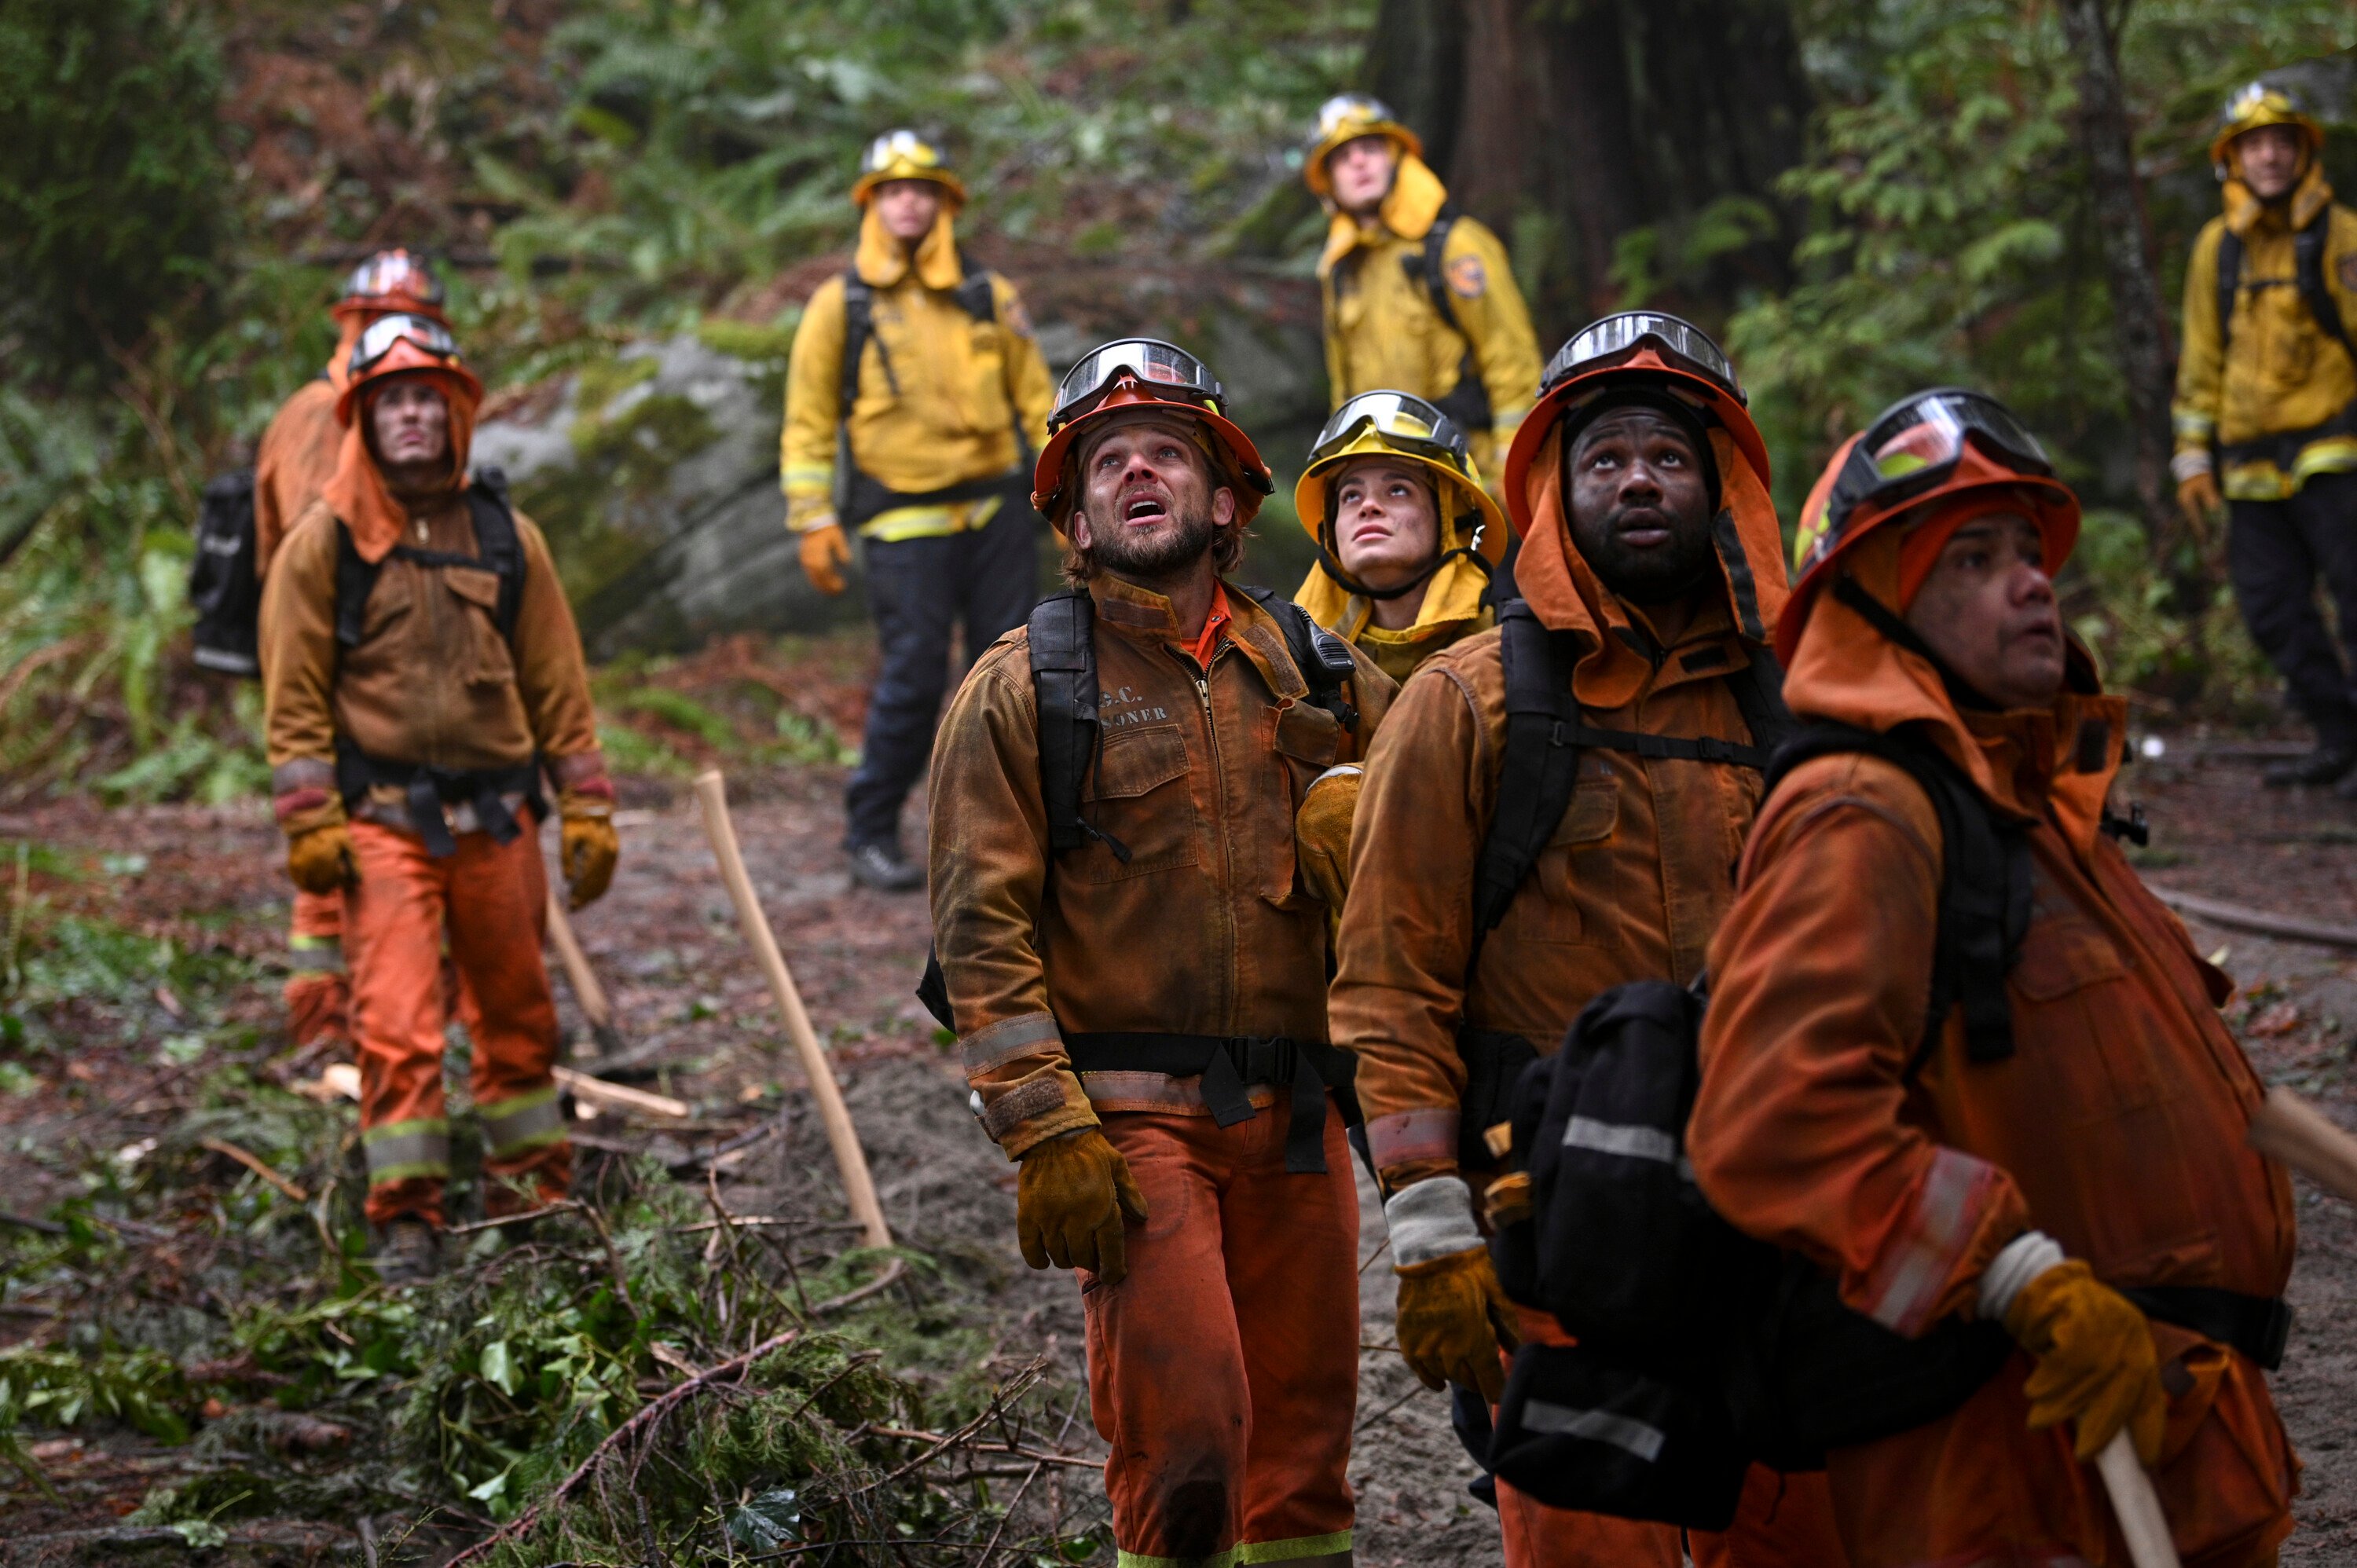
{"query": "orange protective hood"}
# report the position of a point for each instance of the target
(1566, 594)
(358, 493)
(1843, 669)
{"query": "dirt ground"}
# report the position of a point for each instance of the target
(684, 986)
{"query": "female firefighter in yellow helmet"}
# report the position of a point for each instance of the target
(1407, 536)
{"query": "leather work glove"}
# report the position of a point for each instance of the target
(2096, 1366)
(1454, 1317)
(2198, 498)
(587, 846)
(319, 859)
(825, 553)
(1321, 833)
(1071, 1196)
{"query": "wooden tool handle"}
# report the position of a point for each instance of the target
(2288, 1128)
(596, 1011)
(858, 1186)
(2135, 1504)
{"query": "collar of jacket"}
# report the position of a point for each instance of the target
(2056, 762)
(1409, 212)
(2246, 213)
(1452, 606)
(1146, 616)
(882, 263)
(1566, 594)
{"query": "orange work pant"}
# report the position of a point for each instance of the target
(1782, 1521)
(319, 1001)
(1224, 1369)
(490, 899)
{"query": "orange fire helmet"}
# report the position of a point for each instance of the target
(1144, 372)
(394, 280)
(1924, 448)
(1642, 348)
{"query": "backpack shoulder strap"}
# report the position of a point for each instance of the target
(2307, 267)
(1062, 633)
(355, 580)
(975, 291)
(1759, 689)
(1985, 886)
(1542, 763)
(858, 328)
(1435, 273)
(2230, 282)
(497, 542)
(1323, 659)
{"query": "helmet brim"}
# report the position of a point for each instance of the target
(1052, 494)
(1313, 167)
(1540, 424)
(864, 189)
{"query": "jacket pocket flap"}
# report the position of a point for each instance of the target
(2062, 956)
(1309, 735)
(1594, 810)
(476, 585)
(1135, 761)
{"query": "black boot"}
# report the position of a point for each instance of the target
(2327, 764)
(408, 1250)
(882, 867)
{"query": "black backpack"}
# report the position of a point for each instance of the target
(1062, 636)
(858, 496)
(1545, 733)
(223, 587)
(2307, 276)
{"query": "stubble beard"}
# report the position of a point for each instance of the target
(1168, 554)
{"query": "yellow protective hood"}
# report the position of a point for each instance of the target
(2311, 196)
(1452, 609)
(1409, 211)
(882, 263)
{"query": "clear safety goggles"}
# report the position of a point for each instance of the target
(1404, 423)
(1917, 443)
(899, 148)
(1617, 337)
(1348, 109)
(1164, 370)
(378, 339)
(391, 273)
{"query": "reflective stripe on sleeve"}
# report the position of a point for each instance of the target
(1915, 1265)
(995, 1045)
(1621, 1432)
(314, 955)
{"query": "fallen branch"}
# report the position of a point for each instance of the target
(255, 1164)
(522, 1525)
(882, 1281)
(2239, 917)
(1076, 1461)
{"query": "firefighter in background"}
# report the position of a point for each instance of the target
(296, 458)
(420, 670)
(2267, 410)
(915, 398)
(1418, 297)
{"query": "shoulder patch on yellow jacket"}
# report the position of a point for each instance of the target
(1468, 277)
(2348, 271)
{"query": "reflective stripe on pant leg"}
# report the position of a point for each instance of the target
(399, 1150)
(315, 955)
(527, 1121)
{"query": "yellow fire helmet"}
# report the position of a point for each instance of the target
(2257, 104)
(1395, 424)
(1345, 117)
(904, 155)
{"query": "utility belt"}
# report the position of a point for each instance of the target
(1228, 1065)
(2284, 449)
(427, 790)
(860, 498)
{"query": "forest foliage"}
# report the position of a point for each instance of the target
(181, 180)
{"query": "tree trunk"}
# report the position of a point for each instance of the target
(2147, 360)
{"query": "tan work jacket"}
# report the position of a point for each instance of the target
(1205, 928)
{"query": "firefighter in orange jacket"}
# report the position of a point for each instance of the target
(296, 458)
(1136, 971)
(2081, 1176)
(1652, 560)
(420, 670)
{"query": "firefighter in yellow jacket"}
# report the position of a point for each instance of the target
(2266, 409)
(1419, 298)
(915, 399)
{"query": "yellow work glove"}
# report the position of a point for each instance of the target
(825, 553)
(1454, 1317)
(1072, 1196)
(2096, 1366)
(1321, 833)
(2198, 498)
(319, 847)
(587, 846)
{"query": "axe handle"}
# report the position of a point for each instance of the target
(577, 972)
(850, 1159)
(2135, 1504)
(2288, 1128)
